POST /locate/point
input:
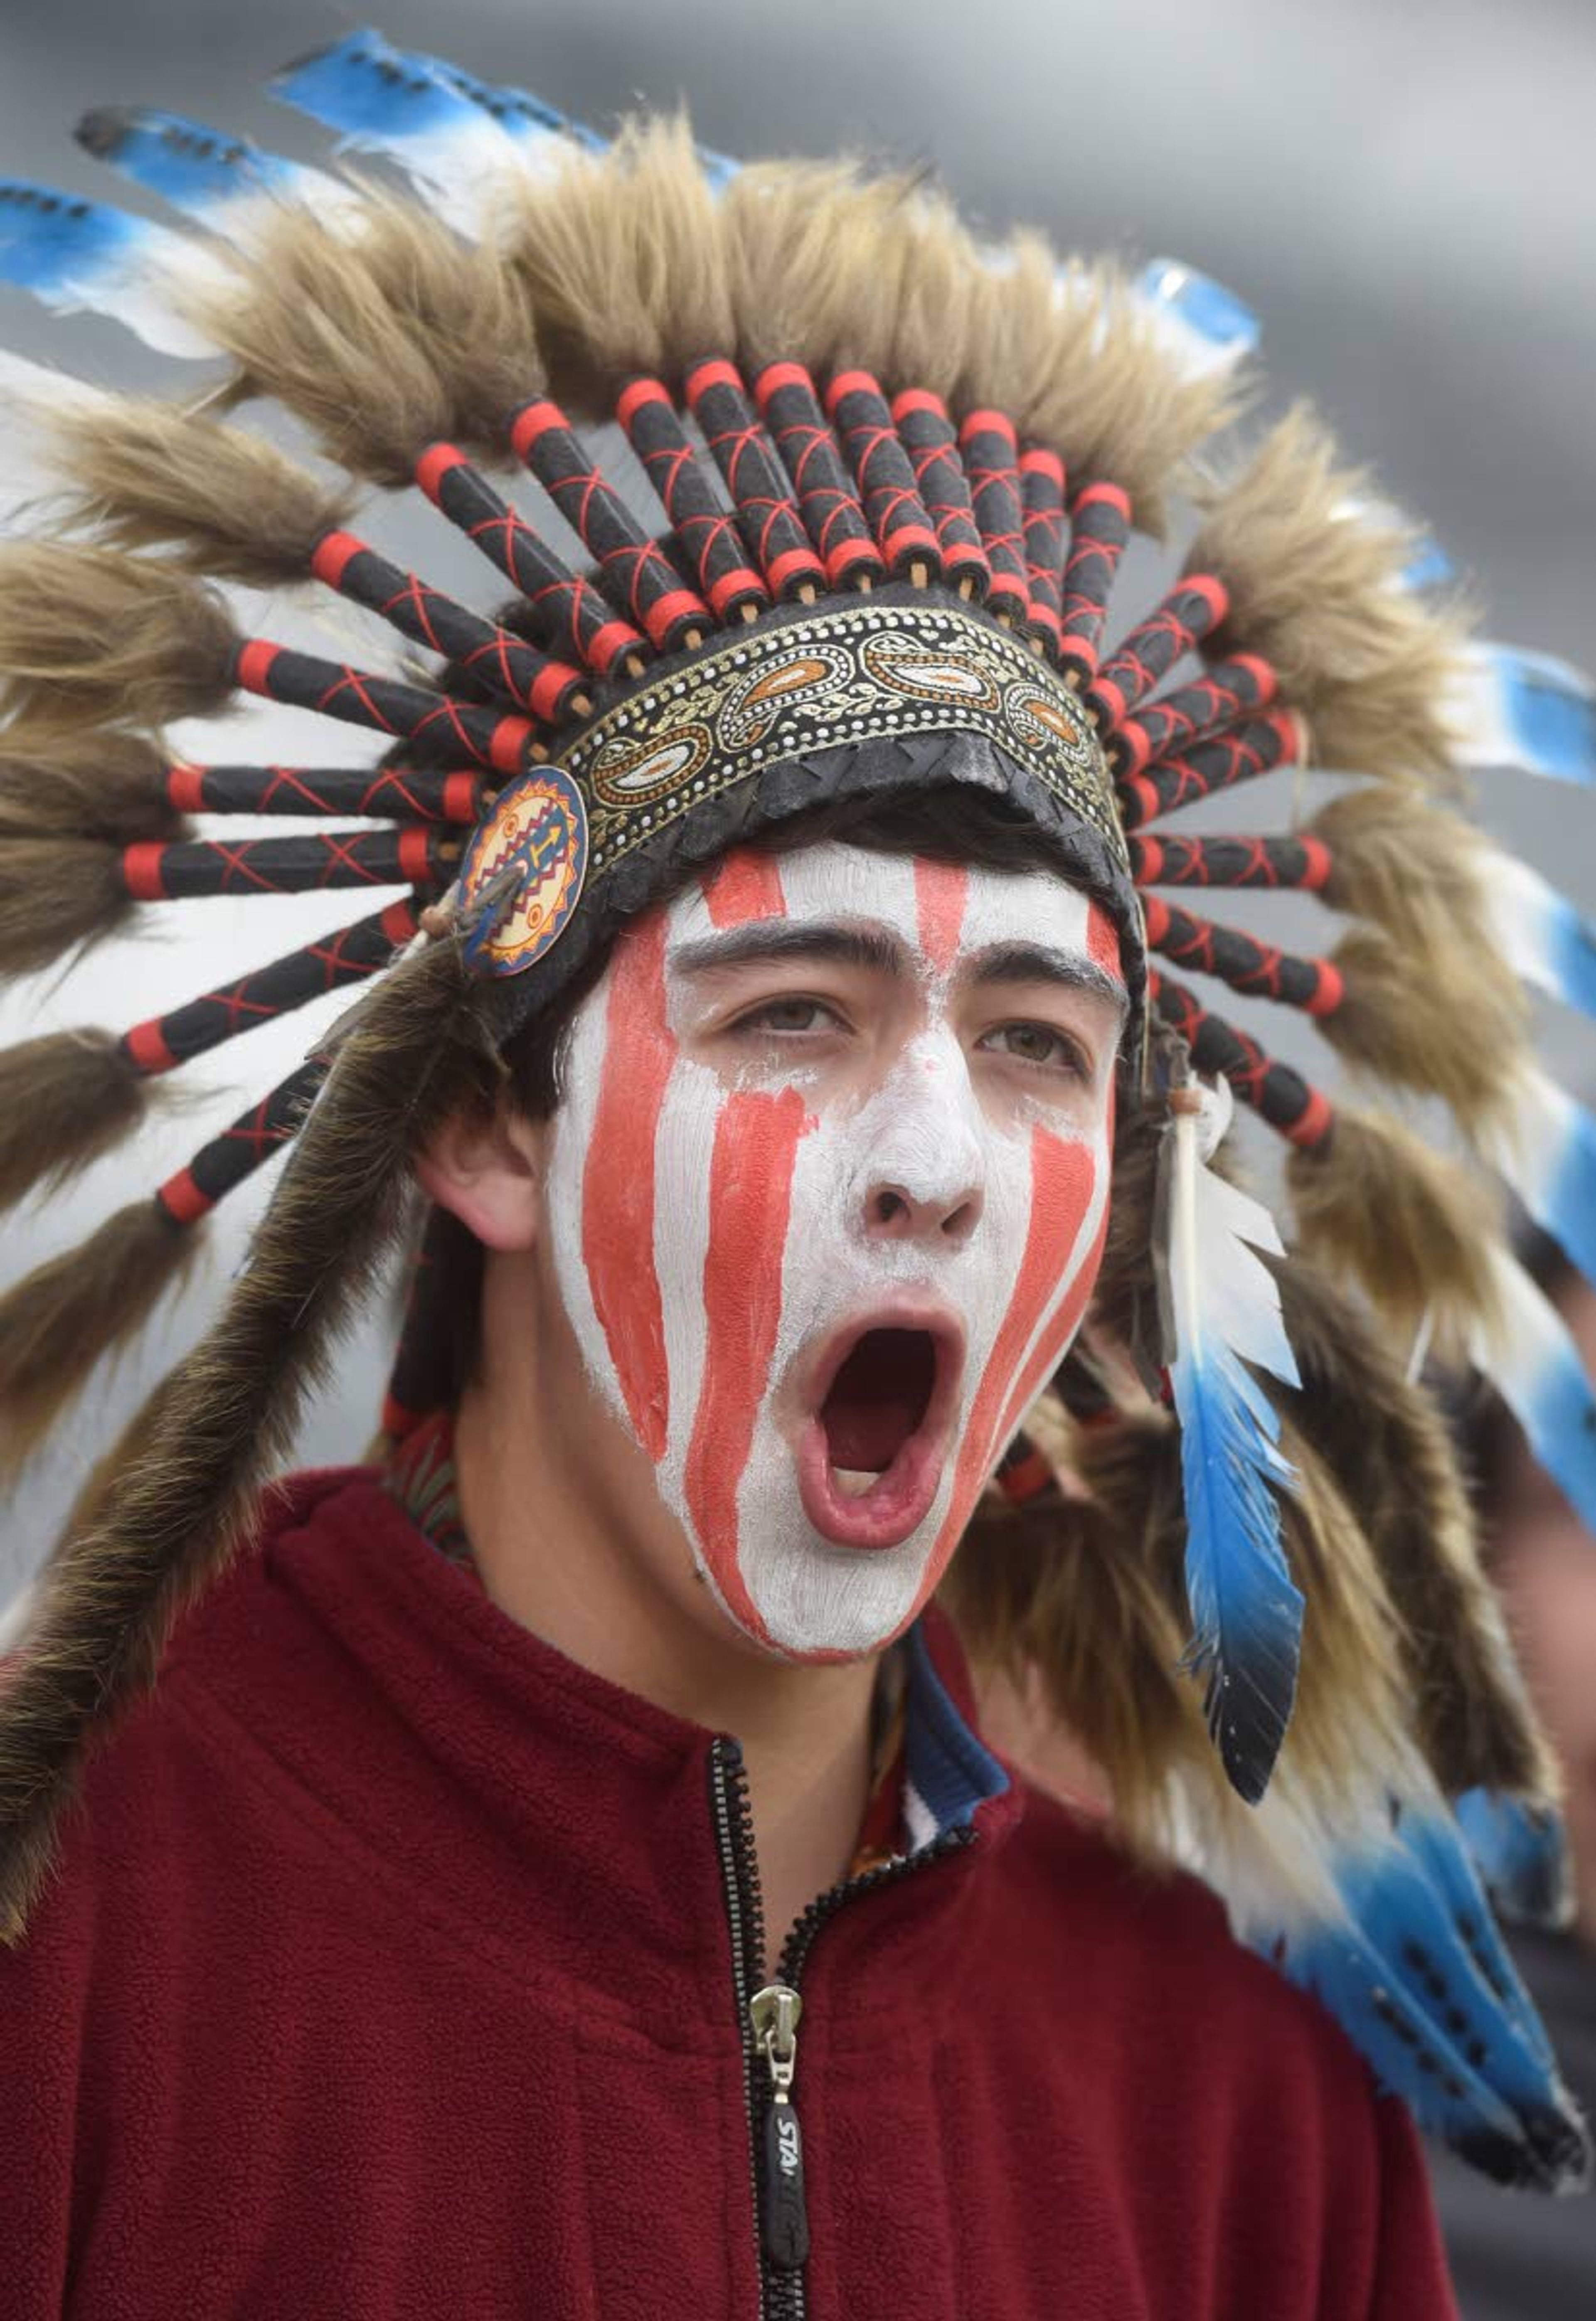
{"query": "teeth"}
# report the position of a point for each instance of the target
(853, 1481)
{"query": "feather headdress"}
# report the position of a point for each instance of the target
(850, 425)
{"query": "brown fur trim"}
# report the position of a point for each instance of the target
(165, 1519)
(72, 1311)
(1316, 589)
(623, 259)
(1087, 373)
(1389, 1450)
(227, 505)
(1449, 1022)
(833, 267)
(1088, 1595)
(385, 341)
(108, 787)
(55, 893)
(806, 242)
(1408, 1224)
(90, 638)
(64, 1099)
(1413, 867)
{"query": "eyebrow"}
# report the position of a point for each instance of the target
(769, 940)
(1025, 962)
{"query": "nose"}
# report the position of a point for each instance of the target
(923, 1173)
(895, 1213)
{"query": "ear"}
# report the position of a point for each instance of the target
(486, 1169)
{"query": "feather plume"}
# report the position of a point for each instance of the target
(1525, 1349)
(1526, 710)
(108, 787)
(1445, 1021)
(1413, 1545)
(168, 1513)
(386, 100)
(226, 505)
(1373, 1200)
(65, 1099)
(89, 638)
(543, 133)
(1207, 326)
(1224, 1317)
(1520, 1856)
(79, 257)
(1403, 1951)
(56, 893)
(1539, 931)
(226, 184)
(1544, 1145)
(383, 345)
(1317, 588)
(624, 260)
(67, 1315)
(1416, 871)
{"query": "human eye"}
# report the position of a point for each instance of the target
(1042, 1047)
(791, 1016)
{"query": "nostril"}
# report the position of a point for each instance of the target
(959, 1222)
(890, 1206)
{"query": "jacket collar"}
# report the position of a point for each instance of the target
(537, 1814)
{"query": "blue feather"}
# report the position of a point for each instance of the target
(1428, 567)
(530, 118)
(1539, 714)
(52, 242)
(1571, 953)
(373, 95)
(1520, 1853)
(1418, 1976)
(1548, 1156)
(526, 116)
(194, 168)
(1527, 1354)
(79, 256)
(1202, 306)
(1246, 1615)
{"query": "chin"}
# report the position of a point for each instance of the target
(816, 1600)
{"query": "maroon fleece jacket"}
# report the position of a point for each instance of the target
(389, 1974)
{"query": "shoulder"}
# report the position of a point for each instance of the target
(184, 1775)
(1153, 1947)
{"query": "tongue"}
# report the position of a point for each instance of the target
(878, 1399)
(869, 1435)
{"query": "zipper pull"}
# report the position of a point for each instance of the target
(775, 2013)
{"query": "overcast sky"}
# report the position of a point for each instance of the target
(1404, 190)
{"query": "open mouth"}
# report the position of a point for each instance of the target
(871, 1453)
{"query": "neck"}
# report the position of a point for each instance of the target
(571, 1540)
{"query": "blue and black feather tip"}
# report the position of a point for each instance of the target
(194, 168)
(1418, 1976)
(1520, 1853)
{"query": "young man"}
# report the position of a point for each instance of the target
(558, 1871)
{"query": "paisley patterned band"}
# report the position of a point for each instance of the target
(864, 671)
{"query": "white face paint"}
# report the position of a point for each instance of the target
(741, 1212)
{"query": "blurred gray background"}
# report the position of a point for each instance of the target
(1404, 190)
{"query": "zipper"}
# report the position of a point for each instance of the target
(768, 2015)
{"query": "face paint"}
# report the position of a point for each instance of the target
(822, 1299)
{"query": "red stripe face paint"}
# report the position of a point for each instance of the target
(618, 1181)
(750, 1197)
(820, 1270)
(745, 885)
(939, 892)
